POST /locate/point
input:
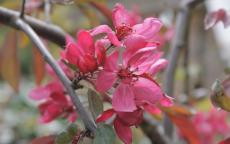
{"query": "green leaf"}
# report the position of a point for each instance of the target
(66, 136)
(95, 103)
(63, 138)
(104, 135)
(72, 130)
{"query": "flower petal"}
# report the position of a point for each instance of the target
(123, 99)
(133, 43)
(121, 16)
(111, 63)
(152, 109)
(85, 41)
(106, 29)
(148, 28)
(39, 93)
(123, 131)
(147, 91)
(158, 65)
(100, 51)
(71, 53)
(131, 118)
(105, 80)
(166, 101)
(105, 115)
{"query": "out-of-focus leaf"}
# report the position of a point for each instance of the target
(12, 4)
(104, 135)
(186, 128)
(10, 69)
(63, 138)
(89, 13)
(66, 136)
(219, 96)
(226, 141)
(95, 103)
(38, 66)
(213, 18)
(177, 110)
(43, 140)
(24, 40)
(72, 130)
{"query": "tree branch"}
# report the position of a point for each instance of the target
(23, 9)
(48, 31)
(88, 122)
(179, 42)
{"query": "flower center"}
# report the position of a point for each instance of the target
(123, 31)
(127, 76)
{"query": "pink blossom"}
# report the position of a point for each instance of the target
(54, 102)
(69, 73)
(84, 54)
(126, 24)
(122, 122)
(133, 88)
(33, 5)
(211, 124)
(213, 18)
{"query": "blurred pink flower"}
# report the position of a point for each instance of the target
(54, 102)
(84, 54)
(211, 124)
(213, 18)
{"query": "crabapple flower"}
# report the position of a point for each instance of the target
(211, 124)
(122, 122)
(126, 24)
(54, 102)
(134, 87)
(84, 54)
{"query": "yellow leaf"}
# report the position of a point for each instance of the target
(38, 66)
(219, 96)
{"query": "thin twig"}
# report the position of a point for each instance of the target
(180, 41)
(23, 9)
(186, 70)
(50, 32)
(88, 122)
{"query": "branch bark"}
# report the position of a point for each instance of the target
(88, 122)
(179, 42)
(48, 31)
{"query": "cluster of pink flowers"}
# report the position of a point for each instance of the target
(122, 63)
(210, 125)
(54, 102)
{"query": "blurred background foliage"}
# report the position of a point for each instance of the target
(21, 66)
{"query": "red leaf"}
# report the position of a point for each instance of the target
(226, 141)
(44, 140)
(38, 66)
(9, 67)
(213, 18)
(186, 127)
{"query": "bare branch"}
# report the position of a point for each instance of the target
(48, 31)
(23, 9)
(88, 122)
(179, 42)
